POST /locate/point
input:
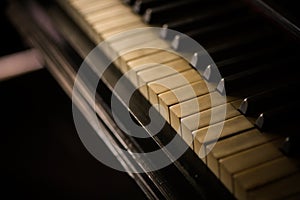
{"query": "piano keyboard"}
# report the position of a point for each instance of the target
(257, 64)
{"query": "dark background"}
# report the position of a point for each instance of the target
(42, 156)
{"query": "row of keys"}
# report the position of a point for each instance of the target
(250, 56)
(239, 137)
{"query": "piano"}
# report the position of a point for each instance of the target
(253, 45)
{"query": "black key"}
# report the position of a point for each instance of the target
(279, 117)
(291, 146)
(220, 13)
(140, 6)
(259, 78)
(266, 100)
(217, 32)
(236, 45)
(273, 54)
(243, 62)
(129, 2)
(238, 82)
(173, 10)
(223, 29)
(160, 13)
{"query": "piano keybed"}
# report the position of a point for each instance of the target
(247, 160)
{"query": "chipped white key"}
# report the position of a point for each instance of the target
(93, 6)
(237, 143)
(160, 86)
(229, 166)
(206, 118)
(108, 33)
(186, 108)
(123, 59)
(204, 138)
(148, 62)
(159, 72)
(256, 177)
(286, 188)
(181, 94)
(105, 26)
